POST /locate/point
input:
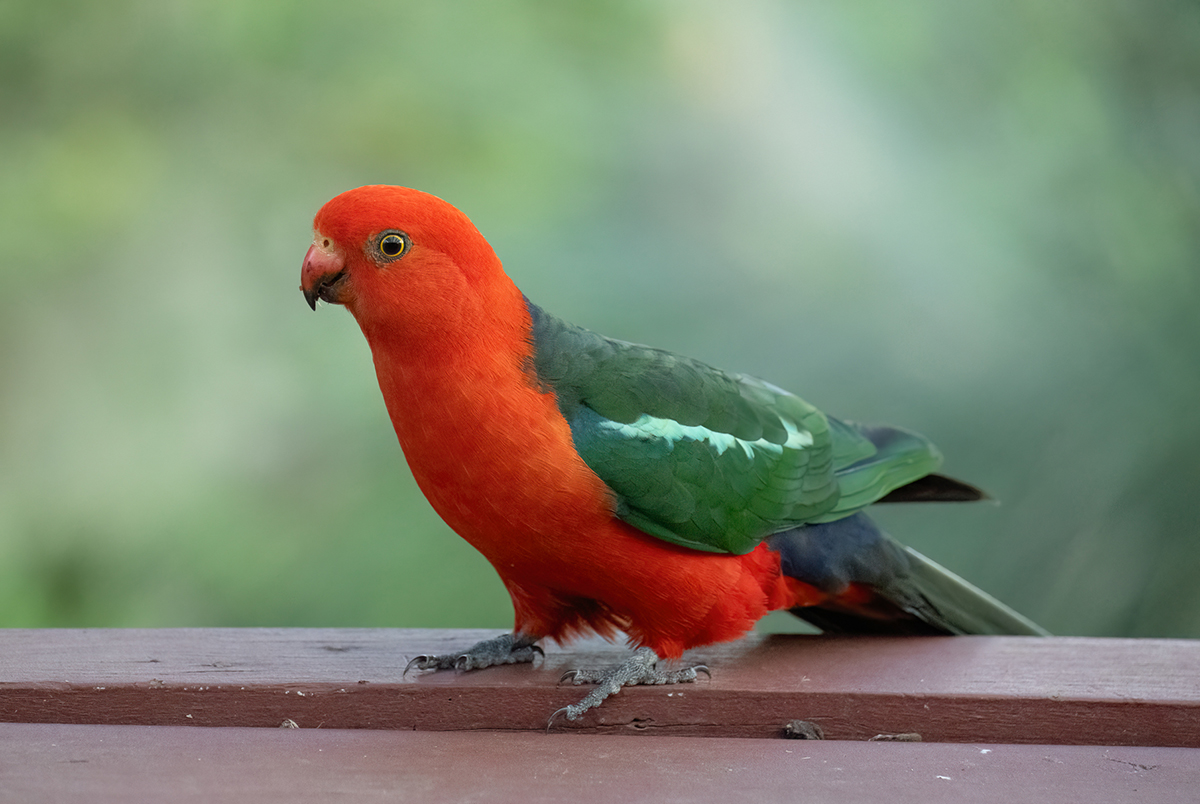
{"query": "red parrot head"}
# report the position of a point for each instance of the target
(399, 259)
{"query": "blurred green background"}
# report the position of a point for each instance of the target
(980, 220)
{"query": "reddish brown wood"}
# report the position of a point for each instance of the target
(131, 764)
(948, 689)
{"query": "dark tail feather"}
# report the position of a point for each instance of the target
(911, 594)
(935, 488)
(845, 621)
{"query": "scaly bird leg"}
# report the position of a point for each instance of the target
(505, 649)
(640, 668)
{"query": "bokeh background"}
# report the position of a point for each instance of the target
(980, 220)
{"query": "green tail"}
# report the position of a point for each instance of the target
(914, 595)
(961, 607)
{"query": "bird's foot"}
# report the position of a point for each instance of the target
(505, 649)
(640, 668)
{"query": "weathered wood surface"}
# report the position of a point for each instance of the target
(132, 764)
(1069, 691)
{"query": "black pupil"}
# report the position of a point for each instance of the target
(391, 245)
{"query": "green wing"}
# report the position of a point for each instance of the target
(703, 458)
(893, 458)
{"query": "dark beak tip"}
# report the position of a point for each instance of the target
(327, 288)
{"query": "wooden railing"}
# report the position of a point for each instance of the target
(1015, 706)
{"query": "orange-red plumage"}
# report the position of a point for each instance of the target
(615, 487)
(450, 336)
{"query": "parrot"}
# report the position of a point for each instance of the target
(619, 489)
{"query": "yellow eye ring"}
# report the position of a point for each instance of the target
(392, 245)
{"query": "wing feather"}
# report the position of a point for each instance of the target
(704, 458)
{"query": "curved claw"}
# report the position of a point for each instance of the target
(461, 663)
(702, 668)
(538, 650)
(416, 660)
(550, 722)
(565, 676)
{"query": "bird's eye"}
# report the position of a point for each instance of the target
(392, 245)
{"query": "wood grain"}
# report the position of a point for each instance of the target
(1068, 691)
(132, 764)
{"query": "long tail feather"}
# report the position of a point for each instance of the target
(962, 606)
(906, 592)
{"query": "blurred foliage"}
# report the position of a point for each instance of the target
(980, 220)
